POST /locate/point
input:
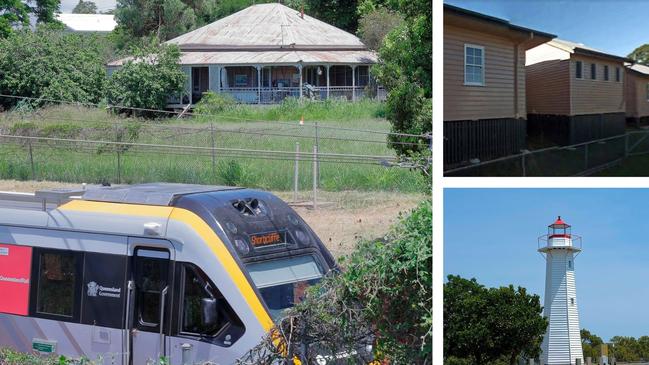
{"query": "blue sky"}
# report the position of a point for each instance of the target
(491, 234)
(617, 27)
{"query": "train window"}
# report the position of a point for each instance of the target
(151, 270)
(205, 312)
(57, 283)
(282, 282)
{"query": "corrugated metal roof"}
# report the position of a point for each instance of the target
(572, 47)
(265, 27)
(271, 58)
(88, 22)
(640, 68)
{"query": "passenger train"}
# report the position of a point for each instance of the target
(130, 274)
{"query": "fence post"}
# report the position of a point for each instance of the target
(523, 163)
(315, 177)
(119, 165)
(297, 170)
(317, 144)
(213, 152)
(31, 160)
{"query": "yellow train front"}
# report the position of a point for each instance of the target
(130, 274)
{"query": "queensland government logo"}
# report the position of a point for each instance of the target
(95, 290)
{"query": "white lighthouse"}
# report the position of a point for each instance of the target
(562, 342)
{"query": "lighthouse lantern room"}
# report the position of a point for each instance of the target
(562, 341)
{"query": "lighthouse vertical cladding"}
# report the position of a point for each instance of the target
(561, 343)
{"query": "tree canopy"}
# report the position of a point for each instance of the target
(85, 7)
(482, 325)
(14, 14)
(148, 79)
(640, 54)
(52, 64)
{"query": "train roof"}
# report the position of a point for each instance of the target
(158, 194)
(163, 194)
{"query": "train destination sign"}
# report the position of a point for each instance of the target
(268, 239)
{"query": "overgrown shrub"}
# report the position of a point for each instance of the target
(382, 297)
(147, 80)
(51, 64)
(215, 103)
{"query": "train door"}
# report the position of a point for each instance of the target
(150, 299)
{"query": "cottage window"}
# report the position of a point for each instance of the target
(618, 75)
(648, 92)
(593, 71)
(473, 65)
(605, 72)
(578, 66)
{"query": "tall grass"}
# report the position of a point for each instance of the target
(97, 164)
(222, 106)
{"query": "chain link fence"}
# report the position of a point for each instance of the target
(575, 160)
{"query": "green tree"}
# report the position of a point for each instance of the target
(625, 348)
(45, 10)
(85, 7)
(376, 24)
(52, 64)
(640, 54)
(339, 13)
(487, 324)
(15, 13)
(147, 80)
(405, 70)
(590, 344)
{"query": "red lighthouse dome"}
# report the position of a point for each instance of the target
(559, 229)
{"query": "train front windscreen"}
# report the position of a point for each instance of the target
(283, 282)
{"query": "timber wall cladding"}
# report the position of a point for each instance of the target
(482, 139)
(496, 98)
(596, 96)
(637, 103)
(548, 87)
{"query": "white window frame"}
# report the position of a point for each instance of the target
(468, 45)
(580, 77)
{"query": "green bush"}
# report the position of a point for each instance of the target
(382, 296)
(147, 80)
(51, 64)
(215, 103)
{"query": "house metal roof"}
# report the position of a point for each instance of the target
(573, 47)
(268, 27)
(642, 69)
(88, 22)
(270, 58)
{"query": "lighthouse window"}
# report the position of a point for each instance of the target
(569, 264)
(572, 301)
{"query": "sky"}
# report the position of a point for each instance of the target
(615, 27)
(491, 235)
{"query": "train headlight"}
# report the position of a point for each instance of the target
(242, 246)
(231, 227)
(293, 220)
(301, 236)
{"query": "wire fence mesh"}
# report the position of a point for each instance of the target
(575, 160)
(271, 155)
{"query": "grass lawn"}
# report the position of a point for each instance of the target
(97, 163)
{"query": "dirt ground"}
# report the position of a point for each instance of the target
(340, 221)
